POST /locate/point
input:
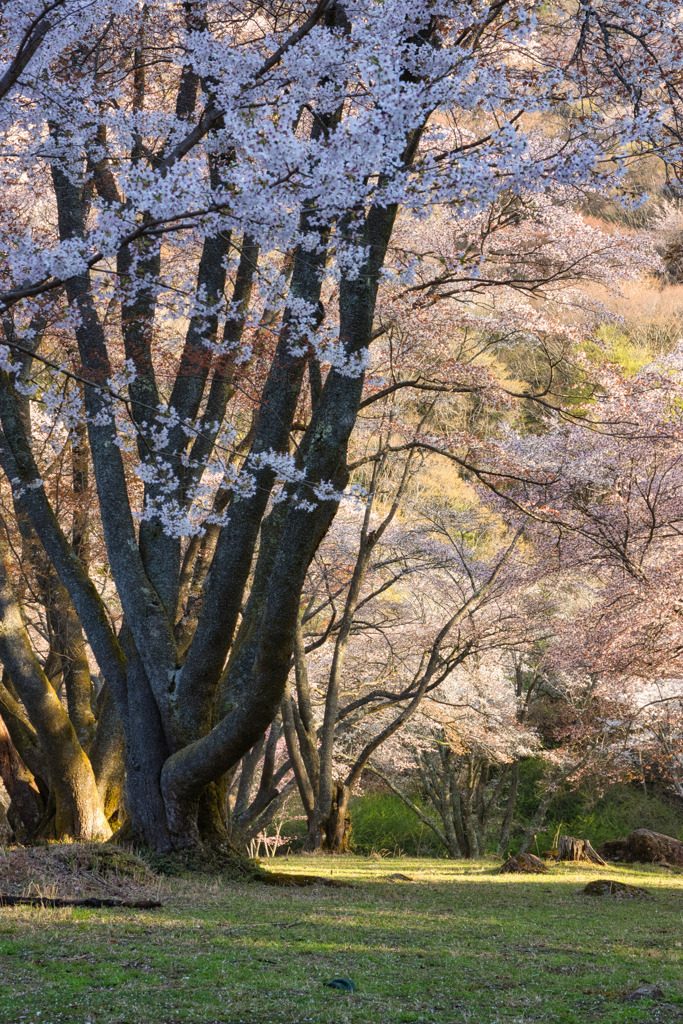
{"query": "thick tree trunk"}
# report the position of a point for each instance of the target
(146, 754)
(313, 842)
(212, 818)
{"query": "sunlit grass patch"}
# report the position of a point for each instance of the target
(459, 943)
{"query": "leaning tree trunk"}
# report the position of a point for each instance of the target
(78, 809)
(572, 849)
(26, 802)
(537, 819)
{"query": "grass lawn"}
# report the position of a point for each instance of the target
(457, 944)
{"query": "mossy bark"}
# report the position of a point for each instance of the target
(78, 809)
(337, 825)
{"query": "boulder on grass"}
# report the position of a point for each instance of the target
(645, 847)
(523, 863)
(644, 991)
(620, 890)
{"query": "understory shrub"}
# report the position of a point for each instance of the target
(382, 824)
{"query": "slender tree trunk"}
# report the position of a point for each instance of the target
(27, 803)
(307, 792)
(246, 782)
(458, 822)
(508, 817)
(537, 819)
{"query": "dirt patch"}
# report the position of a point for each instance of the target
(76, 870)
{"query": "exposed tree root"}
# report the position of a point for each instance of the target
(6, 900)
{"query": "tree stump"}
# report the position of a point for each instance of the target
(569, 848)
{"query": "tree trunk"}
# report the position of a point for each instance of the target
(508, 817)
(337, 826)
(78, 811)
(26, 801)
(537, 819)
(146, 754)
(314, 834)
(6, 829)
(75, 667)
(23, 736)
(308, 783)
(213, 818)
(107, 757)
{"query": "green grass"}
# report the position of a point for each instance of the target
(458, 945)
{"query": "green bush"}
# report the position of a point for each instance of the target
(382, 824)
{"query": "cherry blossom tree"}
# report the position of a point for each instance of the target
(655, 736)
(603, 495)
(199, 202)
(467, 749)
